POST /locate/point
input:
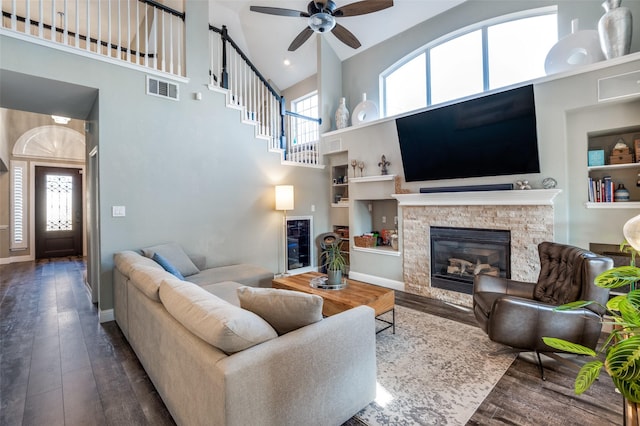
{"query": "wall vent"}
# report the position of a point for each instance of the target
(162, 88)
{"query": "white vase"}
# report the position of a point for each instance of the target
(365, 111)
(614, 28)
(342, 115)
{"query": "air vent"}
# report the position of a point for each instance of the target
(164, 89)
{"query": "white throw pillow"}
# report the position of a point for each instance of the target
(285, 310)
(219, 323)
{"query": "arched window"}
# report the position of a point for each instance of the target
(486, 56)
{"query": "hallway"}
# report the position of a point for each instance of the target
(59, 365)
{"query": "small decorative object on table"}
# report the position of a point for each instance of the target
(621, 194)
(383, 165)
(334, 262)
(523, 184)
(354, 164)
(323, 284)
(549, 183)
(361, 167)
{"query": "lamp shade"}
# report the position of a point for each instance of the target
(631, 232)
(284, 197)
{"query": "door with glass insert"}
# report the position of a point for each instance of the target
(58, 212)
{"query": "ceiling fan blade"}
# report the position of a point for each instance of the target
(345, 36)
(279, 11)
(300, 39)
(362, 7)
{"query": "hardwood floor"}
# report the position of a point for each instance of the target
(60, 366)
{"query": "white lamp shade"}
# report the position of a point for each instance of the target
(284, 197)
(631, 231)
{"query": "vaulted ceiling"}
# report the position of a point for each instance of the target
(265, 38)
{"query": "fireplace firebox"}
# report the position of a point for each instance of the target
(459, 254)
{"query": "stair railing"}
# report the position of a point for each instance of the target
(142, 32)
(249, 91)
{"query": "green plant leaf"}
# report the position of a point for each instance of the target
(566, 346)
(587, 375)
(573, 305)
(613, 303)
(630, 389)
(629, 311)
(623, 359)
(618, 277)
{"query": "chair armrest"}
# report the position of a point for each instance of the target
(491, 284)
(522, 323)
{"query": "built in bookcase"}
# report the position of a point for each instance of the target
(627, 174)
(340, 186)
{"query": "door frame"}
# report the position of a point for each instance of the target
(32, 201)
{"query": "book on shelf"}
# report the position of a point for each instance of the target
(601, 190)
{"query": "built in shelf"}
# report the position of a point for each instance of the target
(485, 198)
(379, 178)
(614, 166)
(339, 204)
(614, 205)
(384, 250)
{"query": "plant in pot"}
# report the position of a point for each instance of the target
(621, 349)
(334, 262)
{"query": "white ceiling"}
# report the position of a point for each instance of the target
(265, 38)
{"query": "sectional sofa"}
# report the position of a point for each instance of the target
(213, 362)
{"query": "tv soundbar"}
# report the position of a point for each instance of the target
(468, 188)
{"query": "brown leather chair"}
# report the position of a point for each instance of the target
(518, 314)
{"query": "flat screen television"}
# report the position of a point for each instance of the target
(492, 135)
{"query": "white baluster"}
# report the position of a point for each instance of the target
(171, 18)
(27, 23)
(65, 23)
(77, 38)
(41, 20)
(164, 46)
(53, 20)
(88, 41)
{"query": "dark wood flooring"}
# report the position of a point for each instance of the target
(60, 366)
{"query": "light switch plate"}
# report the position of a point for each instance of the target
(118, 211)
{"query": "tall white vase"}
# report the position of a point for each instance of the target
(342, 115)
(614, 28)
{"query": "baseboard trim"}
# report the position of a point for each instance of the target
(106, 315)
(372, 279)
(15, 259)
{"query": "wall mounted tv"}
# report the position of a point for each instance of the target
(492, 135)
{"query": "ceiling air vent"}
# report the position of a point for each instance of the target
(162, 88)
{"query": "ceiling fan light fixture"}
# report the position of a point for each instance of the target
(322, 22)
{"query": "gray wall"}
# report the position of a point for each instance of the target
(186, 171)
(360, 73)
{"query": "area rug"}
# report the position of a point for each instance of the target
(433, 371)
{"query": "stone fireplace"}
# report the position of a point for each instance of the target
(527, 216)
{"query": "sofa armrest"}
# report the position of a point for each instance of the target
(522, 323)
(323, 373)
(490, 284)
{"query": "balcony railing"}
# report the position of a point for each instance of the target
(249, 91)
(141, 32)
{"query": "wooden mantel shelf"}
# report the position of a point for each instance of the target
(485, 198)
(378, 178)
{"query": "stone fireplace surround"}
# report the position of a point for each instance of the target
(527, 214)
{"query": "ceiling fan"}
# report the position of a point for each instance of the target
(322, 16)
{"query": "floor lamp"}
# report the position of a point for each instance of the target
(284, 202)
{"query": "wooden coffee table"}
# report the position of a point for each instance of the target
(357, 293)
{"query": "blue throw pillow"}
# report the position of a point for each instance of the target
(160, 260)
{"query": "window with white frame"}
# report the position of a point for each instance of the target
(18, 203)
(483, 57)
(305, 131)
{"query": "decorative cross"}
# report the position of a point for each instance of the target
(383, 163)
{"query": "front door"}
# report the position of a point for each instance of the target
(58, 212)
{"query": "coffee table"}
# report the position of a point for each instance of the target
(356, 293)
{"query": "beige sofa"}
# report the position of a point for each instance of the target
(319, 374)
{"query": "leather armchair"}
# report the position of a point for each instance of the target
(518, 314)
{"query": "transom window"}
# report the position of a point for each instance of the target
(486, 56)
(305, 131)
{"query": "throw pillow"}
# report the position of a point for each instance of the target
(285, 310)
(219, 323)
(174, 253)
(160, 260)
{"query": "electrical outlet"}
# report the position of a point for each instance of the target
(384, 219)
(395, 220)
(118, 211)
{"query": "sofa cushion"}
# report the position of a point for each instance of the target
(174, 253)
(127, 260)
(226, 290)
(160, 260)
(285, 310)
(251, 275)
(219, 323)
(147, 279)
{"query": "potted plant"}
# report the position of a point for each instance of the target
(334, 262)
(622, 347)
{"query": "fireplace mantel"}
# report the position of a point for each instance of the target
(532, 197)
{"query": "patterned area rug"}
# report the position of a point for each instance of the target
(433, 371)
